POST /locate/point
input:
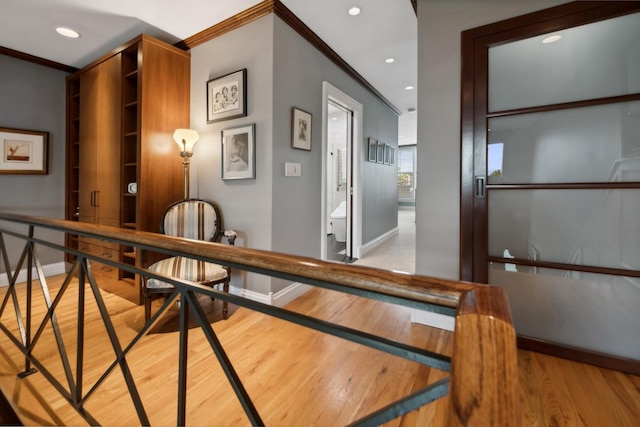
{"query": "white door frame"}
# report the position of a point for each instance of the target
(331, 92)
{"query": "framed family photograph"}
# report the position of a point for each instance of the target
(24, 152)
(372, 149)
(300, 129)
(227, 96)
(239, 153)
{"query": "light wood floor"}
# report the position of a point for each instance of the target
(296, 377)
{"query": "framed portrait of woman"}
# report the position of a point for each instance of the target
(239, 153)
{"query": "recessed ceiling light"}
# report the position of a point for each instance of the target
(67, 32)
(355, 10)
(408, 87)
(551, 39)
(389, 60)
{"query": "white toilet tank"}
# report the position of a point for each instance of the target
(339, 222)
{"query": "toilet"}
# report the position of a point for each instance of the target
(339, 222)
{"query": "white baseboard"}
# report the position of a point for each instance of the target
(48, 270)
(278, 299)
(372, 244)
(435, 320)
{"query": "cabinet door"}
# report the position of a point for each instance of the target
(87, 184)
(99, 179)
(108, 122)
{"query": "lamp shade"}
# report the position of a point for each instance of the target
(186, 139)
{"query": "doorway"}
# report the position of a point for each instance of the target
(341, 201)
(551, 175)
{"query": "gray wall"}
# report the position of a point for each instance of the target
(273, 212)
(300, 71)
(33, 98)
(245, 204)
(440, 23)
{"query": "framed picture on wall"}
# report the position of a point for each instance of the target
(300, 129)
(239, 152)
(387, 154)
(24, 152)
(373, 146)
(227, 96)
(380, 152)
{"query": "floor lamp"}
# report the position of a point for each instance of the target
(186, 139)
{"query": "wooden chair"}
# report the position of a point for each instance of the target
(192, 219)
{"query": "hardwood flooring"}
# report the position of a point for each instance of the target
(295, 376)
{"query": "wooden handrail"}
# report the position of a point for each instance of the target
(484, 372)
(484, 388)
(426, 289)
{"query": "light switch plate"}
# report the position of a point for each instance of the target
(292, 169)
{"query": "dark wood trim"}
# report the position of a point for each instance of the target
(474, 50)
(567, 105)
(282, 12)
(568, 186)
(301, 28)
(570, 267)
(243, 18)
(414, 4)
(466, 157)
(601, 360)
(36, 60)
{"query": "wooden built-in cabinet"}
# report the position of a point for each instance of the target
(122, 111)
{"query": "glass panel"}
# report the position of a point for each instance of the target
(588, 227)
(591, 144)
(591, 61)
(570, 307)
(406, 173)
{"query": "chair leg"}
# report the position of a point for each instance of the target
(225, 304)
(147, 307)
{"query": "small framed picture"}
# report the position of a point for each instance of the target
(372, 149)
(24, 152)
(239, 152)
(387, 154)
(392, 160)
(227, 96)
(300, 129)
(380, 152)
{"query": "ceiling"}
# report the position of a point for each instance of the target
(384, 29)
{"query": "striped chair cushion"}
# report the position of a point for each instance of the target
(186, 269)
(194, 219)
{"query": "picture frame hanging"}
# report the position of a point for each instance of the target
(387, 154)
(24, 152)
(380, 152)
(300, 129)
(373, 146)
(238, 153)
(227, 96)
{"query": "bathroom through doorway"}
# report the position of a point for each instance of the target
(340, 193)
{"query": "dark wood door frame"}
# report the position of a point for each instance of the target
(474, 111)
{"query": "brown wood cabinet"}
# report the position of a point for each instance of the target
(122, 110)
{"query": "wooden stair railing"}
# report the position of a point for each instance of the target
(484, 371)
(483, 385)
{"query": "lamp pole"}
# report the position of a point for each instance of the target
(186, 160)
